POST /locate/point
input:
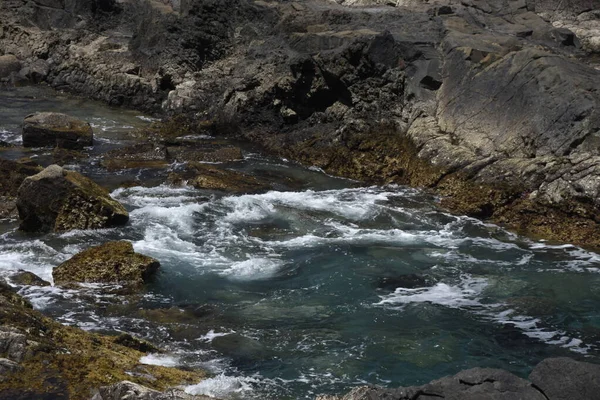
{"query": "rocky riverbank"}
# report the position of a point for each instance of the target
(492, 104)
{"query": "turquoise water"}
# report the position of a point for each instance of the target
(319, 285)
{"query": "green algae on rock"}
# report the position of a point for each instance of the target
(49, 129)
(50, 360)
(60, 200)
(112, 262)
(203, 176)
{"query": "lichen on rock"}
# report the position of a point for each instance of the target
(60, 200)
(49, 129)
(112, 262)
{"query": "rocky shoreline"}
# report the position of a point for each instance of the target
(492, 104)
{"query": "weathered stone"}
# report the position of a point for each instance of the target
(9, 64)
(49, 129)
(126, 390)
(59, 362)
(36, 72)
(199, 154)
(60, 200)
(566, 379)
(112, 262)
(141, 155)
(28, 278)
(203, 176)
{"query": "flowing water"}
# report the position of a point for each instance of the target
(315, 287)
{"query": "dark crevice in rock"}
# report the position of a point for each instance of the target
(539, 389)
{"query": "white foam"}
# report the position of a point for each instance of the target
(253, 268)
(164, 360)
(464, 294)
(222, 386)
(211, 335)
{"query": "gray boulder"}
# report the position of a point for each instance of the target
(60, 200)
(9, 64)
(49, 129)
(566, 379)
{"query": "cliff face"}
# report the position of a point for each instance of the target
(492, 103)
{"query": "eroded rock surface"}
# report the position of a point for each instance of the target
(112, 262)
(42, 359)
(494, 104)
(48, 129)
(552, 379)
(59, 200)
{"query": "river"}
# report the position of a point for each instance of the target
(312, 288)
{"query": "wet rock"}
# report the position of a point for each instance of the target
(36, 72)
(8, 366)
(472, 384)
(203, 176)
(564, 378)
(48, 129)
(193, 154)
(8, 294)
(126, 390)
(408, 281)
(134, 343)
(28, 278)
(60, 200)
(9, 64)
(62, 362)
(62, 156)
(112, 262)
(240, 347)
(12, 175)
(141, 155)
(13, 344)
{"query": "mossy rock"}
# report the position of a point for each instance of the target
(112, 262)
(28, 278)
(48, 129)
(60, 200)
(13, 173)
(203, 176)
(65, 362)
(140, 155)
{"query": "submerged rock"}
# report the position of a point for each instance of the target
(60, 200)
(112, 262)
(48, 129)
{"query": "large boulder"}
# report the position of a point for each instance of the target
(49, 129)
(60, 200)
(112, 262)
(564, 378)
(9, 64)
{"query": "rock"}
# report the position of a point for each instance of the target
(36, 72)
(13, 344)
(9, 64)
(49, 129)
(194, 154)
(564, 378)
(60, 200)
(28, 278)
(62, 156)
(204, 176)
(127, 340)
(141, 155)
(112, 262)
(59, 362)
(8, 366)
(126, 390)
(408, 281)
(12, 175)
